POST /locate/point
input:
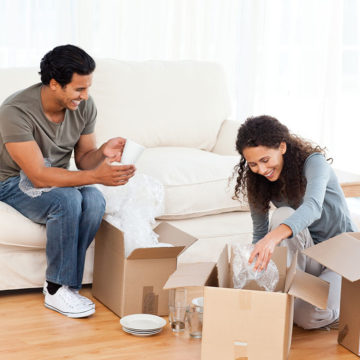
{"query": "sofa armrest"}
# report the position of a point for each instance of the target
(226, 139)
(349, 182)
(351, 189)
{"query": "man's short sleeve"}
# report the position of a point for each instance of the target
(90, 114)
(14, 125)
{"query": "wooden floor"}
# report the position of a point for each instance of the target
(29, 331)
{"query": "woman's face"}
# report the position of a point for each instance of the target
(266, 161)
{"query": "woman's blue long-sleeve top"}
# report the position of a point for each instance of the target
(323, 209)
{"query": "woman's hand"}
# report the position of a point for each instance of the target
(265, 247)
(262, 252)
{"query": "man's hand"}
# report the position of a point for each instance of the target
(113, 148)
(113, 175)
(265, 247)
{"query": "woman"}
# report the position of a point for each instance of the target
(295, 176)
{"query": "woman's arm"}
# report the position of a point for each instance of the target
(317, 173)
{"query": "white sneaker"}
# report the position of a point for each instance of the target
(84, 299)
(67, 303)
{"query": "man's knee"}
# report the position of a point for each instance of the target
(67, 200)
(93, 201)
(279, 215)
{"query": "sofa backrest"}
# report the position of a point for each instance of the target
(155, 103)
(158, 103)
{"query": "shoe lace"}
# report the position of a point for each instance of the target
(69, 297)
(83, 299)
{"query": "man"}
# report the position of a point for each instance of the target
(41, 126)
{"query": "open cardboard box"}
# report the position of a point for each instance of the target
(135, 284)
(342, 255)
(243, 323)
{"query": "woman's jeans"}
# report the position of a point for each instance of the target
(72, 217)
(306, 315)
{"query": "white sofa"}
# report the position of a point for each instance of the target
(179, 111)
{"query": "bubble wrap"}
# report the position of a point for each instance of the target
(28, 188)
(243, 272)
(132, 208)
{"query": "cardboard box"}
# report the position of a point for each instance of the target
(342, 254)
(135, 284)
(248, 324)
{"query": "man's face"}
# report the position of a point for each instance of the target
(70, 96)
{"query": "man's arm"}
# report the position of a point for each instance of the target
(29, 158)
(88, 156)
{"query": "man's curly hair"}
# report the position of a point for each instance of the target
(267, 131)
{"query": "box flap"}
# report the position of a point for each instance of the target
(172, 235)
(279, 257)
(310, 288)
(191, 274)
(290, 274)
(156, 253)
(340, 254)
(223, 273)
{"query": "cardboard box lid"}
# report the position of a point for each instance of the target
(191, 274)
(310, 289)
(306, 286)
(155, 253)
(174, 236)
(202, 273)
(340, 254)
(167, 234)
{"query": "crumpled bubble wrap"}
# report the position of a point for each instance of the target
(243, 272)
(28, 188)
(132, 208)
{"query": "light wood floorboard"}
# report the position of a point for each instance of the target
(29, 331)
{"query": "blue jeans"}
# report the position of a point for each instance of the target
(72, 217)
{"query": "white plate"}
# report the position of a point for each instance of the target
(142, 322)
(141, 333)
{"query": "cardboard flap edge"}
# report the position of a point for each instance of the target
(190, 274)
(155, 252)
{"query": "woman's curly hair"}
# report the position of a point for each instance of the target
(267, 131)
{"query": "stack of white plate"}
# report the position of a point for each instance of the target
(142, 324)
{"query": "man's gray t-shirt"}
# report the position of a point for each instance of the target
(323, 210)
(22, 119)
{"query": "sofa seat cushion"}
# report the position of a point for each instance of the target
(18, 230)
(196, 182)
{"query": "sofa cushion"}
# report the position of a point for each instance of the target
(18, 230)
(196, 182)
(159, 103)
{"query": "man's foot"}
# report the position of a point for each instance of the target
(84, 299)
(66, 302)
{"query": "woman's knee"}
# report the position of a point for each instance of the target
(279, 215)
(308, 316)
